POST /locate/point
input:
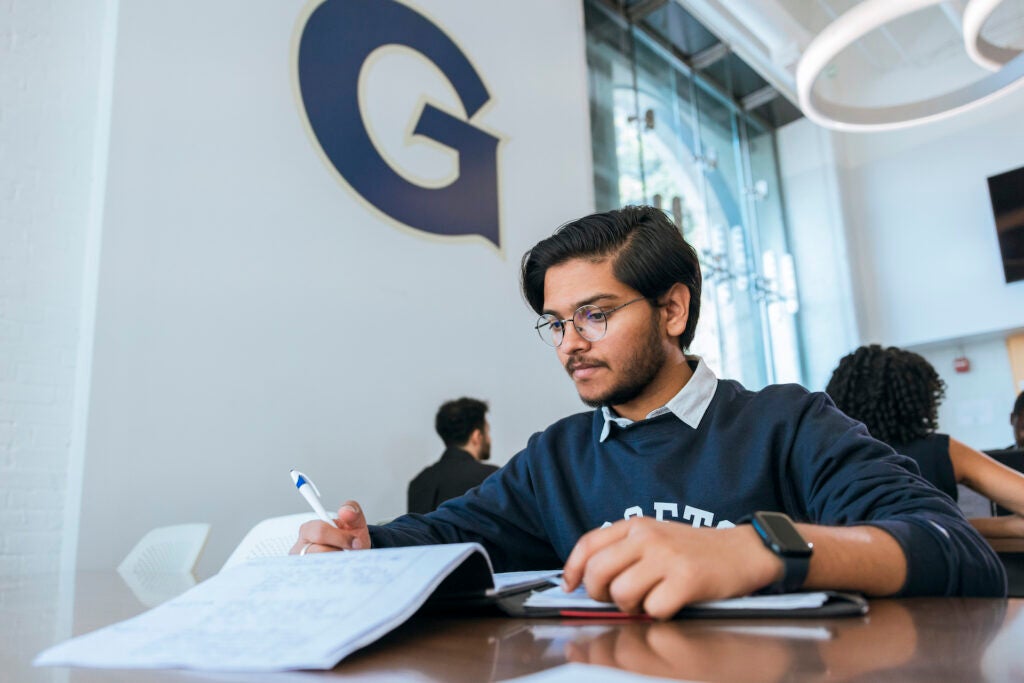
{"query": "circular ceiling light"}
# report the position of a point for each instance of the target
(854, 25)
(984, 53)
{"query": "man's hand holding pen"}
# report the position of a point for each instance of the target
(347, 531)
(351, 533)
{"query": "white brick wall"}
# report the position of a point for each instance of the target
(50, 52)
(29, 613)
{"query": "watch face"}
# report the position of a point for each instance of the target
(783, 533)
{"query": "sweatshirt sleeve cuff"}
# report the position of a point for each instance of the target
(928, 570)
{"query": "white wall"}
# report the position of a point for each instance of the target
(52, 112)
(49, 114)
(255, 315)
(978, 403)
(811, 181)
(922, 235)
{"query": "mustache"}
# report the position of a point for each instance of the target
(576, 361)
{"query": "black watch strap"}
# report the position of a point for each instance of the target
(795, 573)
(779, 535)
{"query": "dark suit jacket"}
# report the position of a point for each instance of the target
(455, 473)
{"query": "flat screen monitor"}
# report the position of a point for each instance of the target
(1006, 191)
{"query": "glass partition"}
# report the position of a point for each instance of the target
(664, 137)
(775, 286)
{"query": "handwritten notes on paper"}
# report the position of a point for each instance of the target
(273, 614)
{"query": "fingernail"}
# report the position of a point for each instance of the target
(357, 544)
(349, 507)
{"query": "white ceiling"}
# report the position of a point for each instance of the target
(921, 55)
(915, 40)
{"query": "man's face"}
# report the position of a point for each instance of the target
(618, 368)
(1017, 421)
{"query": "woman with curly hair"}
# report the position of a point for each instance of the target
(896, 394)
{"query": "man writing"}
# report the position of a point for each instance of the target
(619, 297)
(462, 425)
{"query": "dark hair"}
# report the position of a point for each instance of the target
(648, 251)
(457, 420)
(1018, 405)
(895, 393)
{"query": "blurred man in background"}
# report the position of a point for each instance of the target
(462, 425)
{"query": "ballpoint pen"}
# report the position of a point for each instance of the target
(309, 491)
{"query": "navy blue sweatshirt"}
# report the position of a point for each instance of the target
(779, 449)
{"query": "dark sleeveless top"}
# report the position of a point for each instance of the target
(932, 455)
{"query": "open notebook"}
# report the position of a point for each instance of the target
(280, 613)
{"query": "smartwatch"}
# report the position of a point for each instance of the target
(779, 535)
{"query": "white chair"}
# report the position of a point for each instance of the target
(272, 537)
(167, 549)
(160, 565)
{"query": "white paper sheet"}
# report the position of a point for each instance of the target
(273, 614)
(557, 598)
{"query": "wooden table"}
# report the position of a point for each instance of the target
(900, 640)
(1007, 545)
(1011, 552)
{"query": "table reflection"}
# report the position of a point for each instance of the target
(932, 639)
(886, 644)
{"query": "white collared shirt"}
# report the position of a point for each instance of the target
(689, 405)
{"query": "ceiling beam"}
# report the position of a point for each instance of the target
(641, 9)
(761, 33)
(759, 97)
(709, 56)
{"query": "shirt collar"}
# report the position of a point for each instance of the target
(689, 405)
(456, 453)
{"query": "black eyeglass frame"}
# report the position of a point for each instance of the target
(548, 320)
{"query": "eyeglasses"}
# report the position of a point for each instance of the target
(591, 322)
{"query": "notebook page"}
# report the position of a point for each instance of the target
(273, 614)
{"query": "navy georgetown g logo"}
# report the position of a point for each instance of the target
(338, 37)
